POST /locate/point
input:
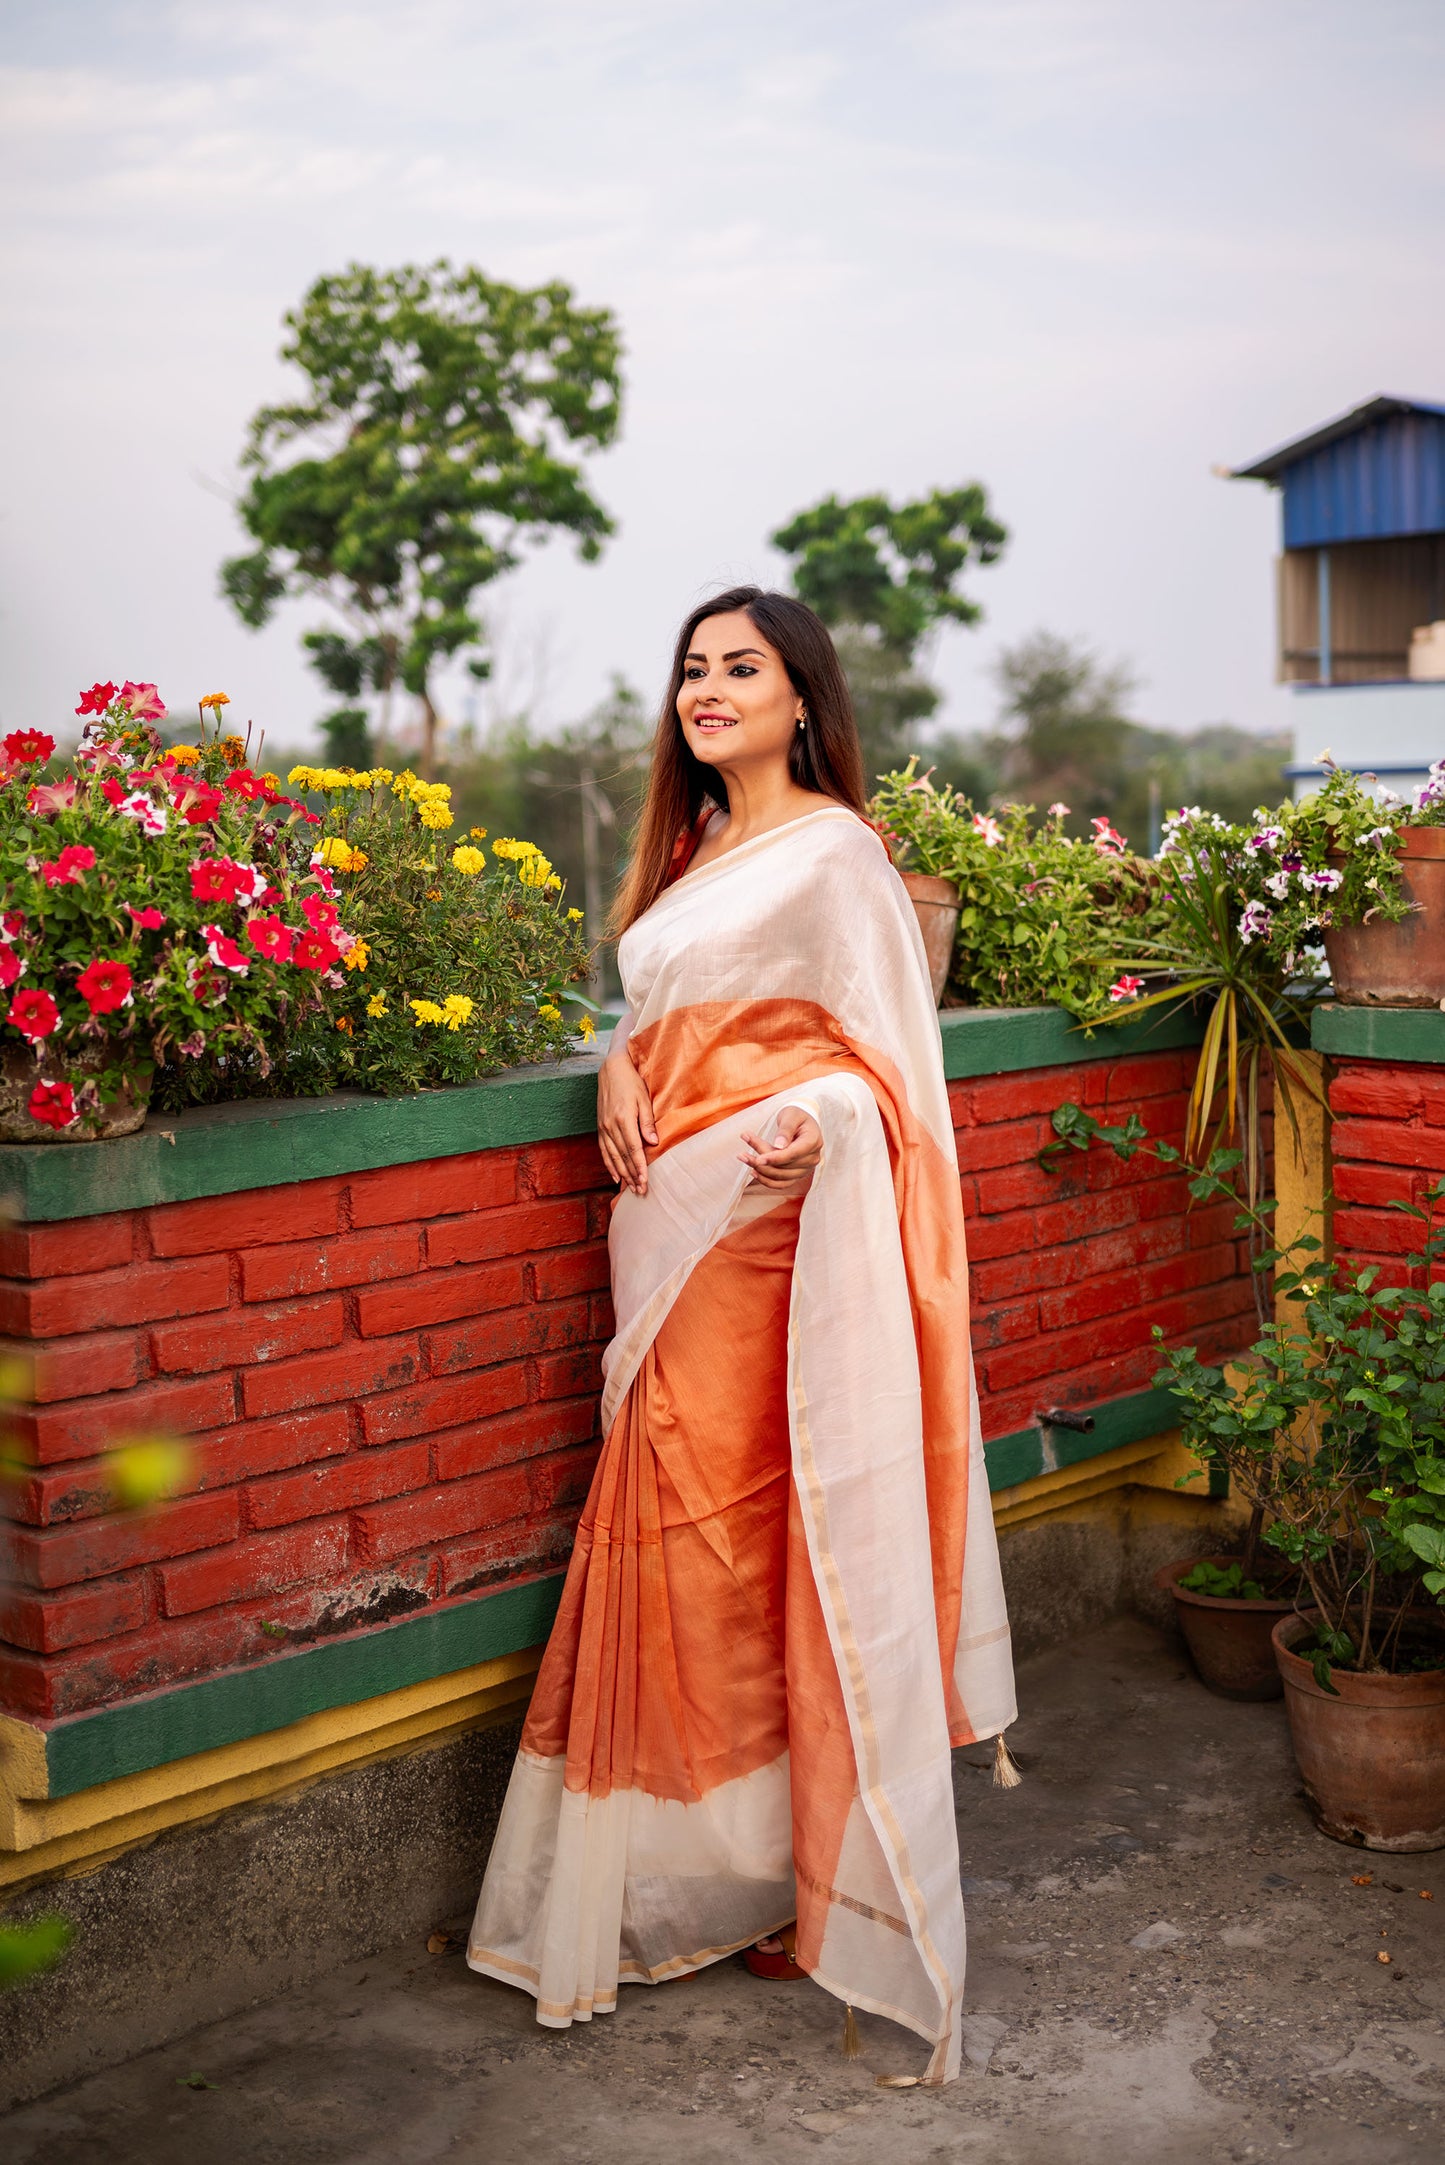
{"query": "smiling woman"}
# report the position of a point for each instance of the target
(781, 1608)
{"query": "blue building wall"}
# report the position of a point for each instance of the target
(1385, 479)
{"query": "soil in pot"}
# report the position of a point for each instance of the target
(1229, 1638)
(111, 1101)
(936, 903)
(1380, 964)
(1372, 1753)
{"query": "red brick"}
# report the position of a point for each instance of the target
(484, 1340)
(318, 1379)
(82, 1367)
(1029, 1187)
(1376, 1185)
(979, 1102)
(434, 1188)
(1376, 1232)
(519, 1231)
(431, 1406)
(78, 1428)
(59, 1307)
(562, 1478)
(361, 1478)
(26, 1684)
(1002, 1142)
(602, 1322)
(1112, 1293)
(392, 1529)
(1379, 1093)
(72, 1247)
(248, 1336)
(1080, 1217)
(525, 1548)
(55, 1496)
(248, 1219)
(47, 1623)
(599, 1216)
(1432, 1093)
(1011, 1233)
(264, 1564)
(1146, 1075)
(257, 1447)
(563, 1373)
(1108, 1171)
(574, 1270)
(438, 1297)
(1005, 1326)
(308, 1266)
(534, 1429)
(1389, 1142)
(96, 1547)
(1058, 1353)
(566, 1168)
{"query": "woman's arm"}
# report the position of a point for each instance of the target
(624, 1112)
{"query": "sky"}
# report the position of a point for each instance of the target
(1083, 251)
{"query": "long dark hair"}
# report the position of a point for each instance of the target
(826, 757)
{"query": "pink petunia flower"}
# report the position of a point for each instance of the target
(53, 1104)
(149, 919)
(984, 824)
(12, 966)
(152, 818)
(1107, 839)
(223, 951)
(48, 797)
(1126, 987)
(67, 869)
(144, 701)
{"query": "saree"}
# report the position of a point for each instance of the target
(784, 1604)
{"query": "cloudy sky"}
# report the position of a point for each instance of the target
(1080, 250)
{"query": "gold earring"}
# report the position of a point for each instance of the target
(803, 719)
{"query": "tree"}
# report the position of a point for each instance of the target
(431, 441)
(884, 576)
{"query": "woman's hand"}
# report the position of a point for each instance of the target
(788, 1163)
(624, 1120)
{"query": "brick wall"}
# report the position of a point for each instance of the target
(1388, 1142)
(389, 1380)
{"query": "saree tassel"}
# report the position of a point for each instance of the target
(1005, 1774)
(852, 2042)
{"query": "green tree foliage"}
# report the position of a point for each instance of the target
(438, 429)
(883, 576)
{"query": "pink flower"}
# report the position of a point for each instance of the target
(1125, 987)
(1058, 811)
(53, 1104)
(1106, 839)
(984, 824)
(96, 700)
(112, 791)
(321, 874)
(152, 818)
(12, 923)
(144, 701)
(12, 966)
(66, 869)
(48, 797)
(270, 937)
(223, 951)
(321, 916)
(34, 1014)
(25, 746)
(104, 986)
(243, 783)
(146, 920)
(197, 802)
(314, 951)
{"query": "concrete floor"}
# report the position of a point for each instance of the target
(1166, 1963)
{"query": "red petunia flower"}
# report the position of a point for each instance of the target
(34, 1014)
(104, 986)
(146, 920)
(96, 700)
(12, 966)
(270, 937)
(200, 805)
(113, 791)
(314, 951)
(144, 701)
(66, 869)
(223, 950)
(27, 745)
(213, 879)
(12, 923)
(243, 783)
(319, 914)
(53, 1104)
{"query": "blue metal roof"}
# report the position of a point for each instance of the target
(1375, 472)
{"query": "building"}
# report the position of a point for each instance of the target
(1361, 593)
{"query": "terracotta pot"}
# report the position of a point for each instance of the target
(124, 1097)
(1373, 1759)
(937, 903)
(1398, 965)
(1229, 1641)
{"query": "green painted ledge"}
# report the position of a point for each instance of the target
(1380, 1033)
(268, 1142)
(151, 1731)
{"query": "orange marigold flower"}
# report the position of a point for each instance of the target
(183, 755)
(215, 699)
(233, 751)
(343, 1023)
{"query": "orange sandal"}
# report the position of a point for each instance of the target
(776, 1962)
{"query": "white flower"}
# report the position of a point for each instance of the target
(1327, 882)
(1255, 923)
(1267, 838)
(989, 828)
(153, 817)
(1277, 885)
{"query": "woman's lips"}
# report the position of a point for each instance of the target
(714, 721)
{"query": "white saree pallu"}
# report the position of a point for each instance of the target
(784, 1603)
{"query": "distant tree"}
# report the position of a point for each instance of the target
(883, 576)
(431, 440)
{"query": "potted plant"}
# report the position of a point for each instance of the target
(1012, 909)
(1384, 924)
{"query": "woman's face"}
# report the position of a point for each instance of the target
(737, 703)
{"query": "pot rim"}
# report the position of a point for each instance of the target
(1166, 1578)
(932, 887)
(1422, 1688)
(1424, 842)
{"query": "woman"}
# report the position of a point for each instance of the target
(784, 1600)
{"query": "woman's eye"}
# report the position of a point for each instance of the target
(743, 669)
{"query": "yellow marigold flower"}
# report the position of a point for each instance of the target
(549, 1013)
(186, 755)
(587, 1029)
(504, 847)
(574, 917)
(457, 1010)
(535, 871)
(478, 834)
(214, 699)
(357, 955)
(376, 1005)
(435, 815)
(425, 1011)
(300, 777)
(468, 860)
(554, 885)
(272, 781)
(337, 852)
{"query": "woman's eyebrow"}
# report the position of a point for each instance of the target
(738, 652)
